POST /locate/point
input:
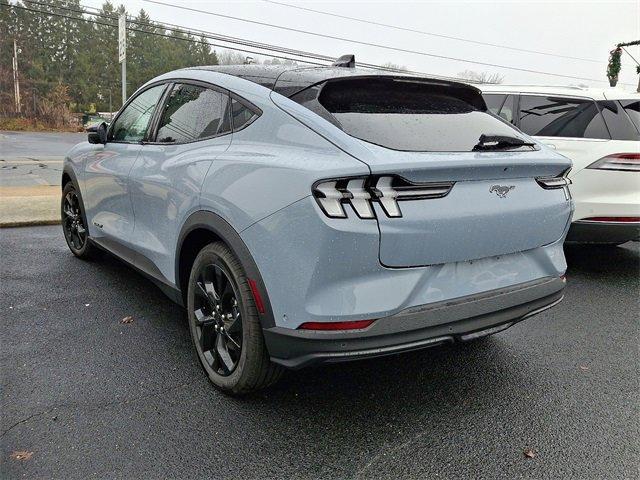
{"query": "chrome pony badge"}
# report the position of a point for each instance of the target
(501, 190)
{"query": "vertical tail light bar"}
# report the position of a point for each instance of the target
(361, 192)
(552, 183)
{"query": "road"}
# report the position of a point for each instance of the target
(34, 158)
(85, 396)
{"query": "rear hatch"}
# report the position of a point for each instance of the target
(449, 182)
(493, 206)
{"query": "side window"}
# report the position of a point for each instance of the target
(501, 105)
(193, 113)
(618, 122)
(632, 107)
(242, 115)
(561, 117)
(131, 124)
(494, 102)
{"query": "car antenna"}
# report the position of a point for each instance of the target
(348, 61)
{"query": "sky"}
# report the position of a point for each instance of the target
(584, 29)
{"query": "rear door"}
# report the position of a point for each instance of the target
(193, 127)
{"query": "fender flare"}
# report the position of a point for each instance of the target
(204, 219)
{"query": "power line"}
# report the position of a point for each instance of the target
(153, 33)
(370, 44)
(265, 46)
(431, 34)
(235, 40)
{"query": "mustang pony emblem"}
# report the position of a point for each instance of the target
(501, 190)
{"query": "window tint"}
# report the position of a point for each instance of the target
(242, 115)
(618, 122)
(494, 102)
(191, 113)
(508, 109)
(131, 124)
(561, 117)
(411, 116)
(632, 107)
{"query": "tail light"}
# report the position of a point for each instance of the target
(561, 181)
(625, 162)
(362, 192)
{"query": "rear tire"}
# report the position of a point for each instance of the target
(74, 223)
(224, 323)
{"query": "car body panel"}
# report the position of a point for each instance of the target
(106, 191)
(596, 193)
(302, 257)
(165, 184)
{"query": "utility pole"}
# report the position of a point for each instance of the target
(16, 81)
(122, 52)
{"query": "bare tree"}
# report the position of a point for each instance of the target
(481, 77)
(230, 57)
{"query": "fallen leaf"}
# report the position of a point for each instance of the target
(530, 453)
(127, 319)
(584, 368)
(21, 455)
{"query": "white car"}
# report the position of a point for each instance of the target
(599, 130)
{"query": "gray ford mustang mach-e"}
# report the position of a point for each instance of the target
(308, 215)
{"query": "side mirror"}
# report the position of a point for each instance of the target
(98, 133)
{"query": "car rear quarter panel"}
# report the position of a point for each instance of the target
(270, 164)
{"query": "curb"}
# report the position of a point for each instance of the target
(28, 223)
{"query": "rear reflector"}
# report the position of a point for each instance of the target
(613, 219)
(256, 295)
(352, 325)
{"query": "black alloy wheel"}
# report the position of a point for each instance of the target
(225, 323)
(218, 319)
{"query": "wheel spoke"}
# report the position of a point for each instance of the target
(236, 321)
(220, 280)
(204, 320)
(212, 294)
(75, 239)
(221, 349)
(68, 212)
(230, 338)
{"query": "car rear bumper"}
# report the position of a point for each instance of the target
(585, 231)
(461, 319)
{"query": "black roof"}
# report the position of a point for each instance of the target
(290, 79)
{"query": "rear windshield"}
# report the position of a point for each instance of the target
(411, 116)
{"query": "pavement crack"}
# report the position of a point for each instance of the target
(101, 406)
(24, 420)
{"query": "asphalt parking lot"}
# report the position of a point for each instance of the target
(86, 396)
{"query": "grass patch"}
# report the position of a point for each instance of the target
(21, 124)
